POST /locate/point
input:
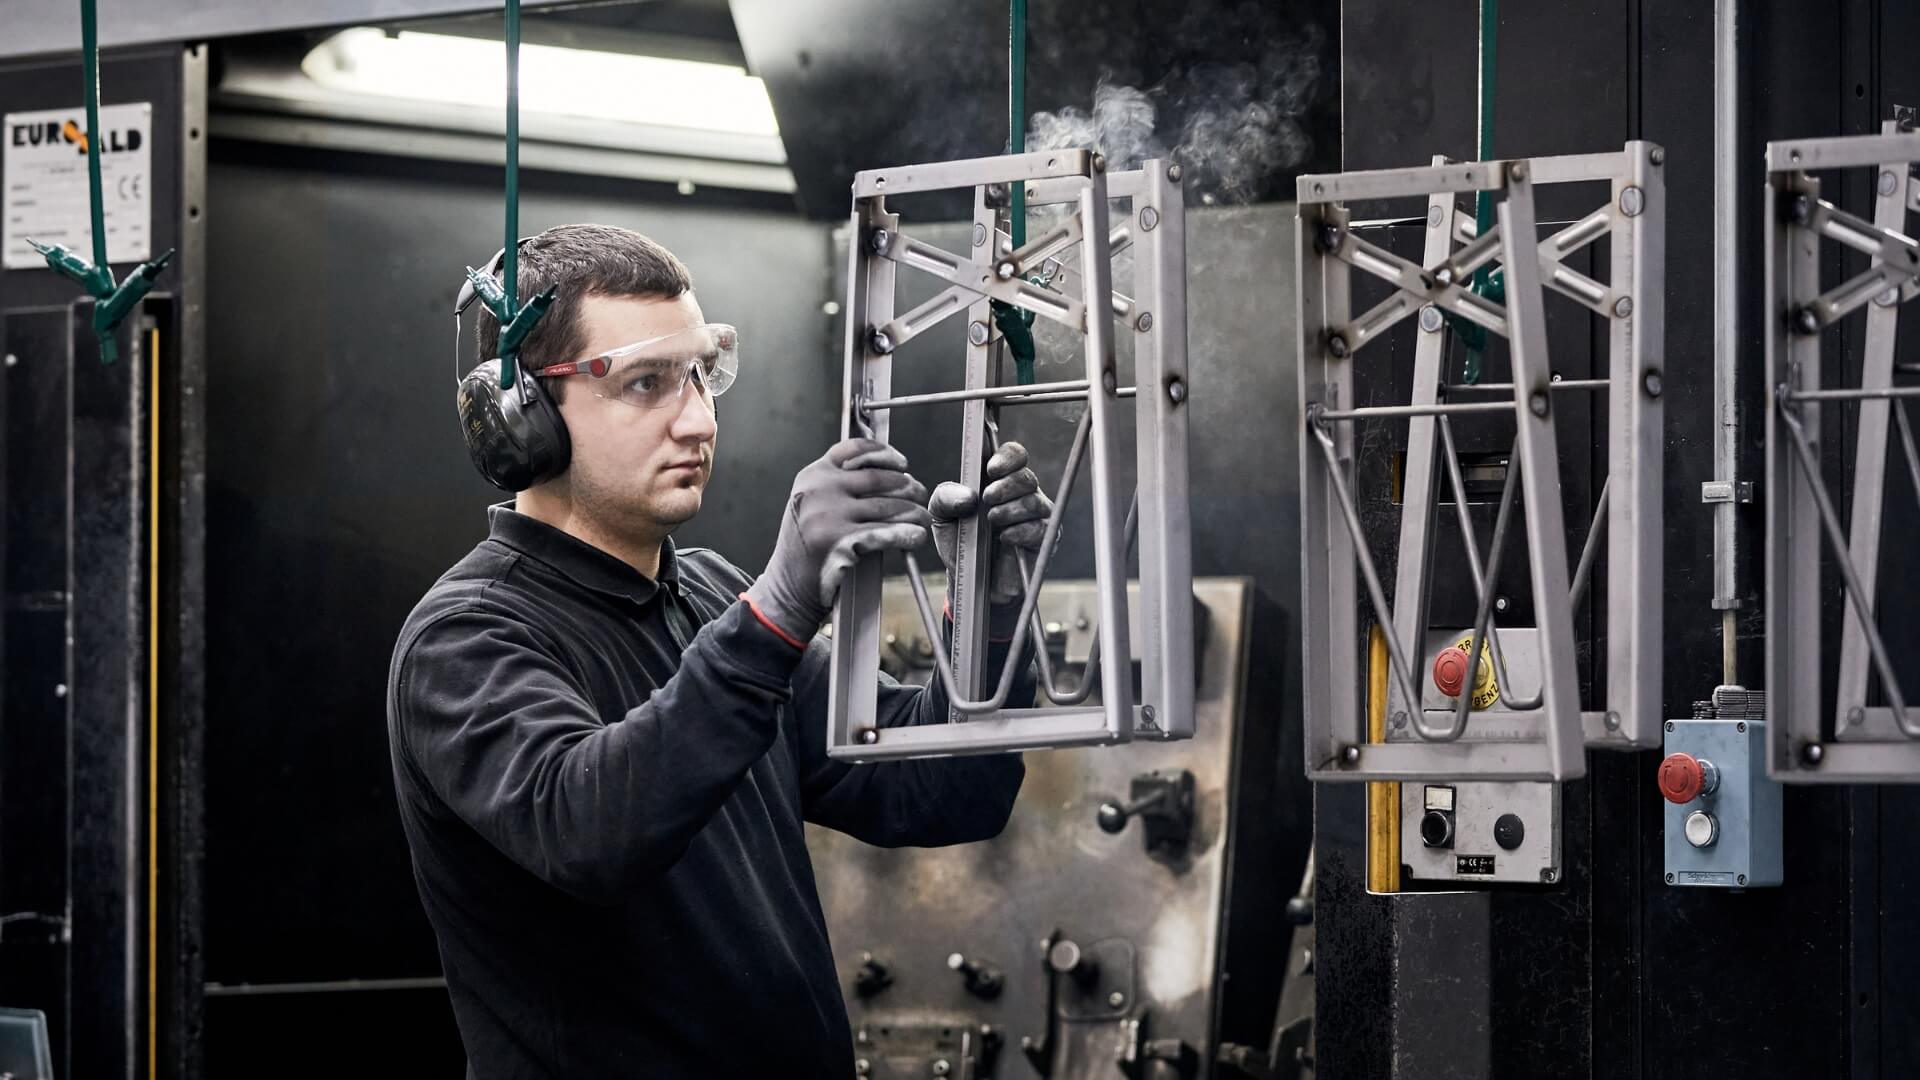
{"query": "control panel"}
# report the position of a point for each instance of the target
(1722, 825)
(1467, 833)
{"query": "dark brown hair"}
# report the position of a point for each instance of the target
(584, 260)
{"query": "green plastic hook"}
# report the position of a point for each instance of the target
(112, 303)
(516, 322)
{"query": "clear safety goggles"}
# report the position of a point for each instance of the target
(654, 373)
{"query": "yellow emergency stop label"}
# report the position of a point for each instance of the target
(1485, 690)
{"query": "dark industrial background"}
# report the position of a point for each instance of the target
(316, 486)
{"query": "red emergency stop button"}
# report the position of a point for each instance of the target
(1450, 671)
(1684, 778)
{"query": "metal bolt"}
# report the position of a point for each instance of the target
(1431, 320)
(1177, 391)
(1444, 275)
(1548, 875)
(1173, 173)
(1099, 163)
(880, 241)
(1613, 721)
(831, 307)
(1669, 725)
(1538, 403)
(1116, 999)
(1623, 307)
(1653, 383)
(1657, 155)
(979, 234)
(978, 333)
(1081, 623)
(1399, 718)
(1856, 716)
(1330, 238)
(1107, 381)
(862, 1067)
(1806, 321)
(1144, 323)
(1888, 298)
(1337, 345)
(869, 736)
(1517, 170)
(1813, 753)
(941, 1068)
(1005, 269)
(1887, 180)
(1499, 603)
(1801, 209)
(1433, 217)
(1669, 879)
(1632, 201)
(1555, 377)
(1740, 878)
(1350, 754)
(1741, 727)
(879, 341)
(1149, 217)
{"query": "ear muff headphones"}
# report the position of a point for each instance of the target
(515, 437)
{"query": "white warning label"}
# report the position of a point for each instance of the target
(43, 186)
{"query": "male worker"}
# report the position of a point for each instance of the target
(604, 746)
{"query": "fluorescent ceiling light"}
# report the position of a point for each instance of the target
(555, 81)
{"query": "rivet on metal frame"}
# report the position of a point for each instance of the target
(1145, 322)
(1173, 173)
(1632, 201)
(978, 333)
(1433, 217)
(1149, 217)
(1887, 181)
(880, 241)
(1431, 320)
(1623, 307)
(1337, 346)
(1177, 391)
(979, 234)
(879, 341)
(1538, 403)
(1653, 383)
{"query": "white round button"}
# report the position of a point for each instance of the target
(1701, 829)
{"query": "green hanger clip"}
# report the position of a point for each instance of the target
(112, 302)
(514, 325)
(516, 322)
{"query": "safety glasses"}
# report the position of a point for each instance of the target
(654, 373)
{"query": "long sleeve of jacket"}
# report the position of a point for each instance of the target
(493, 721)
(924, 803)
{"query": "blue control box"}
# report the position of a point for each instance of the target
(1722, 821)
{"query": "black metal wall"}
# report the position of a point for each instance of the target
(338, 489)
(1614, 974)
(83, 631)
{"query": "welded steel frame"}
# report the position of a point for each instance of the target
(993, 271)
(1853, 742)
(1552, 732)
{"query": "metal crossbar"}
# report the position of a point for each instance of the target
(1541, 736)
(1034, 278)
(1853, 742)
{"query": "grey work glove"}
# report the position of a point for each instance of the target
(1017, 512)
(855, 500)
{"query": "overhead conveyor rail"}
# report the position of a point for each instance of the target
(1541, 736)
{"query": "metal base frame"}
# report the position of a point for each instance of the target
(1031, 279)
(1542, 738)
(1862, 743)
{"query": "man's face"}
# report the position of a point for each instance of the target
(637, 471)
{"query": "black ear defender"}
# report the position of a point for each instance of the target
(515, 437)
